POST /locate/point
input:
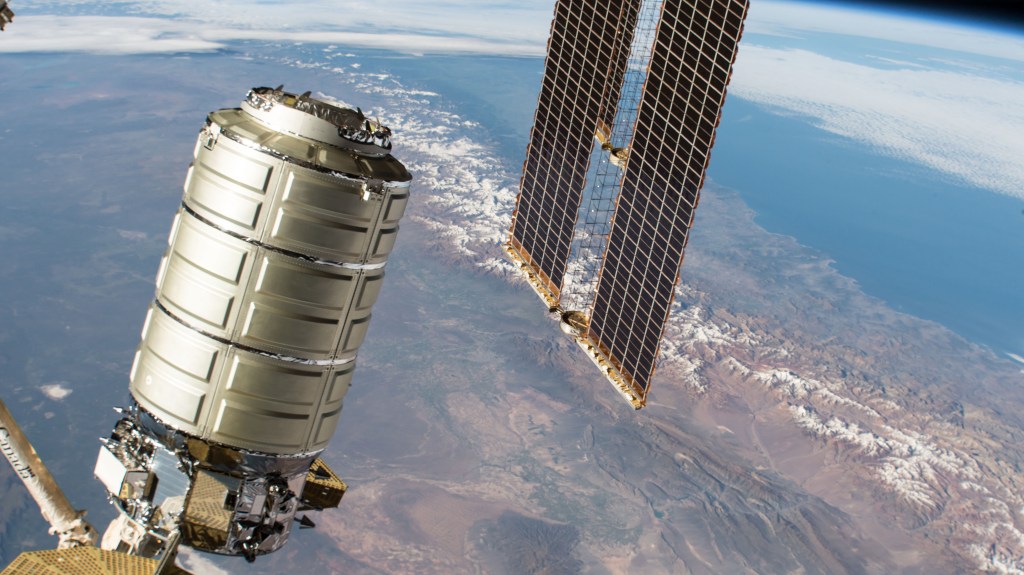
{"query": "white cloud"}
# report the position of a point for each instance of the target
(122, 35)
(489, 26)
(103, 35)
(962, 125)
(55, 391)
(195, 562)
(966, 126)
(502, 21)
(178, 26)
(133, 235)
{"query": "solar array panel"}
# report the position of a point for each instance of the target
(583, 74)
(695, 46)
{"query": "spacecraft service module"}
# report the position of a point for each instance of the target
(263, 297)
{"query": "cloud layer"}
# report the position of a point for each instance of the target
(966, 126)
(451, 27)
(123, 35)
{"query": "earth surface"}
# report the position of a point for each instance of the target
(840, 390)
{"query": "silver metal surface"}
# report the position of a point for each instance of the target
(275, 259)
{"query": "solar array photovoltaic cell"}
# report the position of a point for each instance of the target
(692, 58)
(583, 74)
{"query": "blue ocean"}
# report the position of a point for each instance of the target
(926, 244)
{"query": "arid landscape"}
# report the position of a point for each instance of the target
(796, 425)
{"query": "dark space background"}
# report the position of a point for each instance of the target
(1006, 12)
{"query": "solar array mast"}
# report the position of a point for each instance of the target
(646, 79)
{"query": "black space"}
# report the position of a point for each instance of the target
(1005, 12)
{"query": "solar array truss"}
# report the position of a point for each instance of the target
(690, 64)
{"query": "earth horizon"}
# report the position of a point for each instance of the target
(824, 404)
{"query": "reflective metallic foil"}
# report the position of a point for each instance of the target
(263, 297)
(275, 260)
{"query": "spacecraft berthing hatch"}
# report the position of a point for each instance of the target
(646, 79)
(275, 259)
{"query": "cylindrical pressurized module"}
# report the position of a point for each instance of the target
(263, 298)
